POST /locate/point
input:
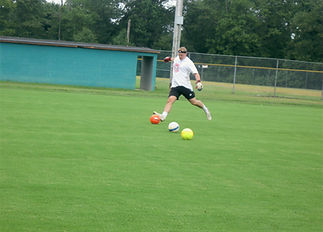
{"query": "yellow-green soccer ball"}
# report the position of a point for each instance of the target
(187, 134)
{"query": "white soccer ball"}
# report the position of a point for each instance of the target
(173, 127)
(199, 86)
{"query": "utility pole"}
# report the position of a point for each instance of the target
(60, 20)
(178, 22)
(128, 32)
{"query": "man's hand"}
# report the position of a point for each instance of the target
(199, 85)
(167, 59)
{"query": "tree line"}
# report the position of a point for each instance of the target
(285, 29)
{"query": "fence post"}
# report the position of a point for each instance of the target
(276, 75)
(202, 72)
(306, 78)
(234, 75)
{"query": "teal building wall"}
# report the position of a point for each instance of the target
(71, 65)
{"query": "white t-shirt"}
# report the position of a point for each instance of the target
(181, 72)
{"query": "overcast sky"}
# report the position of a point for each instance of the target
(59, 1)
(56, 1)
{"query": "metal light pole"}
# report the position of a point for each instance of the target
(178, 22)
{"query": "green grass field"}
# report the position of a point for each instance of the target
(82, 159)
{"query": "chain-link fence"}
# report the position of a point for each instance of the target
(240, 70)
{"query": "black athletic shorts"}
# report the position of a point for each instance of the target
(180, 90)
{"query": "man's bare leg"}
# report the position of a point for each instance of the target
(200, 104)
(167, 108)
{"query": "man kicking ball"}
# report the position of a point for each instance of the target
(181, 84)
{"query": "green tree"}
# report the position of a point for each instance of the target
(85, 35)
(76, 20)
(7, 25)
(307, 33)
(150, 21)
(51, 20)
(274, 27)
(165, 41)
(98, 17)
(121, 38)
(29, 18)
(200, 24)
(236, 32)
(270, 28)
(214, 27)
(106, 13)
